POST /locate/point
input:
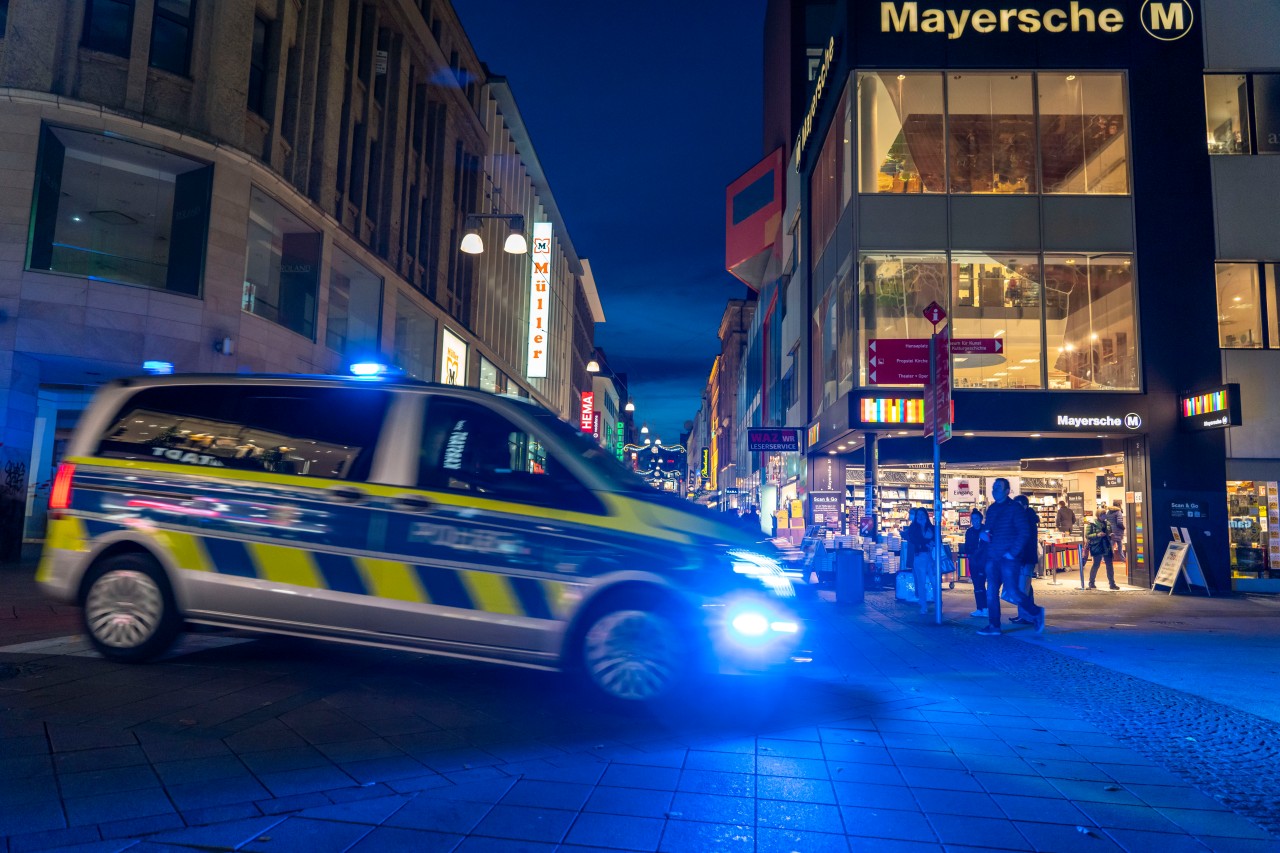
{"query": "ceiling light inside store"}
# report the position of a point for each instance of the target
(1016, 367)
(902, 432)
(959, 358)
(999, 333)
(1033, 360)
(831, 452)
(968, 433)
(1071, 77)
(1035, 435)
(1237, 298)
(902, 77)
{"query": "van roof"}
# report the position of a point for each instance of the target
(301, 379)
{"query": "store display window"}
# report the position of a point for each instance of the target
(1084, 140)
(997, 298)
(1253, 510)
(415, 340)
(991, 133)
(1090, 321)
(355, 307)
(893, 291)
(901, 117)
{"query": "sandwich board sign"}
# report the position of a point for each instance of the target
(1180, 559)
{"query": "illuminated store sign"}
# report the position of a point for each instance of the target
(586, 412)
(705, 470)
(453, 362)
(890, 410)
(539, 300)
(1216, 408)
(619, 443)
(806, 127)
(1166, 21)
(1132, 420)
(773, 439)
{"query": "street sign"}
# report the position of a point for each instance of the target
(977, 346)
(898, 361)
(773, 439)
(934, 314)
(937, 393)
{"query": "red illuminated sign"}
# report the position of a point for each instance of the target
(586, 414)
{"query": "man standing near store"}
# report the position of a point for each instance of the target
(1065, 521)
(1007, 533)
(1028, 560)
(1097, 532)
(1116, 520)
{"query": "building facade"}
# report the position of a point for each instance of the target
(263, 187)
(1084, 188)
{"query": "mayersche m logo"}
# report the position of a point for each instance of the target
(1166, 20)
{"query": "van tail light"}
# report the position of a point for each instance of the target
(60, 495)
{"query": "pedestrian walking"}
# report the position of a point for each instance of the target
(920, 541)
(975, 551)
(1097, 533)
(1027, 562)
(1065, 521)
(1116, 520)
(1006, 535)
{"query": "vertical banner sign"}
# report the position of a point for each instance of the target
(705, 470)
(539, 300)
(620, 441)
(587, 412)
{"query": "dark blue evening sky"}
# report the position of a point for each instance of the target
(641, 114)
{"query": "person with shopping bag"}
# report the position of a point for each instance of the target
(920, 541)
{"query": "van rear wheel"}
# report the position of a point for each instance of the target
(129, 610)
(634, 656)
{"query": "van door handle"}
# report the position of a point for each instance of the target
(412, 503)
(345, 495)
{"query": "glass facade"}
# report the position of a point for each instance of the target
(993, 133)
(415, 344)
(1090, 326)
(1248, 313)
(900, 123)
(997, 297)
(355, 307)
(110, 209)
(831, 182)
(893, 290)
(1242, 113)
(282, 266)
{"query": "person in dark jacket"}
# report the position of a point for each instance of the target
(975, 551)
(1008, 530)
(1027, 561)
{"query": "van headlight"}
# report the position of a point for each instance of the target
(764, 569)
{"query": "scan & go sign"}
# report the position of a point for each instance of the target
(1166, 20)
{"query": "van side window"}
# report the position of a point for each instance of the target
(467, 447)
(309, 431)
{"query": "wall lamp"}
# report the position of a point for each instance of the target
(515, 243)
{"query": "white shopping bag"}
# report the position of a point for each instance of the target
(906, 587)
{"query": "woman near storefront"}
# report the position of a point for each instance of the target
(975, 552)
(920, 541)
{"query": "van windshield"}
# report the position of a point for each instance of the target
(604, 462)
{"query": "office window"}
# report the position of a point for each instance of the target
(1090, 322)
(991, 132)
(258, 66)
(900, 119)
(108, 26)
(491, 378)
(355, 307)
(997, 297)
(1083, 134)
(110, 209)
(893, 290)
(171, 27)
(282, 268)
(830, 184)
(1226, 107)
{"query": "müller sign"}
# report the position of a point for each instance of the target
(1164, 20)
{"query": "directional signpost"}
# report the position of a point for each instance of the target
(937, 422)
(977, 346)
(898, 361)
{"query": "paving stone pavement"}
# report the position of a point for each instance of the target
(899, 736)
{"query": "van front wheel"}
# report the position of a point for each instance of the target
(129, 609)
(634, 655)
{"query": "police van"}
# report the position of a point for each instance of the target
(439, 519)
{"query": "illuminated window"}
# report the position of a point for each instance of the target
(282, 266)
(991, 133)
(901, 119)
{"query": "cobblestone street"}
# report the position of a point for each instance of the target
(900, 735)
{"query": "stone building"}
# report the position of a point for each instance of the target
(270, 186)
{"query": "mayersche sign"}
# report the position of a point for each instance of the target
(1166, 21)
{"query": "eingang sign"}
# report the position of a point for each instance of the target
(1167, 21)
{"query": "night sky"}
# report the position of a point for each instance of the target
(641, 115)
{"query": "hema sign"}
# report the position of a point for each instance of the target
(1168, 21)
